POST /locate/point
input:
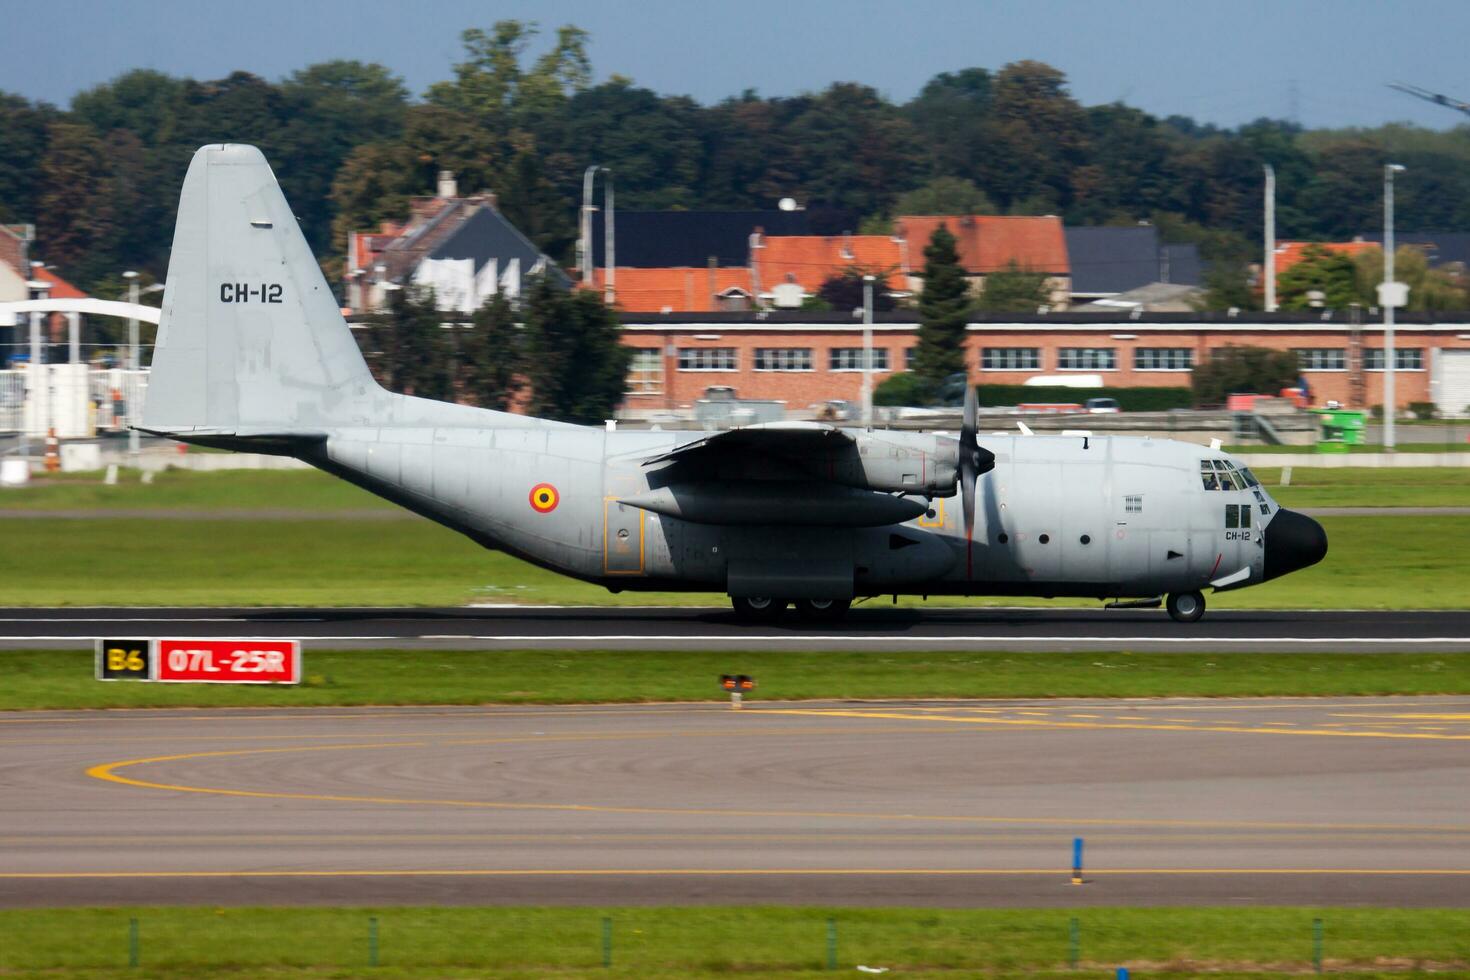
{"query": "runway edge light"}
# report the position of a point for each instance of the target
(737, 685)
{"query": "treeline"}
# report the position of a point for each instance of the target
(351, 144)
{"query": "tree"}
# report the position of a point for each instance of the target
(411, 352)
(945, 195)
(1233, 369)
(1429, 289)
(951, 115)
(1036, 135)
(78, 219)
(23, 137)
(1014, 290)
(492, 355)
(576, 365)
(1227, 286)
(844, 291)
(944, 308)
(1320, 270)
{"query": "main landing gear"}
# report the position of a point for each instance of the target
(763, 609)
(1185, 607)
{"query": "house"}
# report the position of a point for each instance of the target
(987, 244)
(680, 290)
(461, 247)
(1289, 254)
(1108, 261)
(807, 261)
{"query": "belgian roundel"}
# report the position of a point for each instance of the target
(544, 498)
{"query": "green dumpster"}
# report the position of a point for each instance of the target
(1341, 428)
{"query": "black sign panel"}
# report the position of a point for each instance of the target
(124, 660)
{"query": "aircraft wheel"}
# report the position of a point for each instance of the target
(822, 610)
(1186, 607)
(758, 609)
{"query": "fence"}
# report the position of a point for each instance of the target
(76, 400)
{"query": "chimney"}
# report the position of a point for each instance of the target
(448, 187)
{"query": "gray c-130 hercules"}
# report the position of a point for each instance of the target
(254, 355)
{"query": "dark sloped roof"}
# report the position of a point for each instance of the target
(487, 235)
(672, 239)
(1440, 247)
(1115, 260)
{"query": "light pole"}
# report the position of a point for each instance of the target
(609, 290)
(1270, 263)
(867, 352)
(1390, 294)
(132, 372)
(584, 239)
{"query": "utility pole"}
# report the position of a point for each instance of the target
(609, 289)
(1390, 294)
(131, 375)
(584, 238)
(867, 352)
(1270, 263)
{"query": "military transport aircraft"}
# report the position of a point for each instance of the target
(253, 355)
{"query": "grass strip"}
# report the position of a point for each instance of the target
(1400, 562)
(63, 679)
(750, 941)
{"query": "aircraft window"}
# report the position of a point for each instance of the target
(1250, 478)
(1245, 515)
(1207, 475)
(1264, 508)
(1232, 516)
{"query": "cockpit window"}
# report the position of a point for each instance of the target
(1207, 475)
(1250, 478)
(1217, 474)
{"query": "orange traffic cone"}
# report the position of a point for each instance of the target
(53, 451)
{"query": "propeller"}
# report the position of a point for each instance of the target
(973, 460)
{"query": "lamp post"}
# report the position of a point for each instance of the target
(132, 372)
(1390, 294)
(867, 352)
(1269, 274)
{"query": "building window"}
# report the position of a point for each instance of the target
(1087, 359)
(909, 353)
(1404, 359)
(646, 371)
(1321, 358)
(1163, 359)
(851, 359)
(783, 359)
(708, 359)
(1010, 359)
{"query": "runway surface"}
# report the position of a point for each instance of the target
(1341, 801)
(873, 626)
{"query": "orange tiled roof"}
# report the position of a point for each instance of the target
(680, 290)
(810, 260)
(60, 288)
(1289, 254)
(989, 243)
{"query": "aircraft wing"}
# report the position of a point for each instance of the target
(777, 438)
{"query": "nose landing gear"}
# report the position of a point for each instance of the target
(1185, 607)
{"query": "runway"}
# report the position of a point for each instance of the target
(1270, 801)
(872, 626)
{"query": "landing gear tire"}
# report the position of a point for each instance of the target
(822, 610)
(1186, 607)
(758, 609)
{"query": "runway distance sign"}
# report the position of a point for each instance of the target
(228, 661)
(124, 660)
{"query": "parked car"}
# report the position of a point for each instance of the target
(1102, 406)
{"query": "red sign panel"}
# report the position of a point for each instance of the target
(229, 661)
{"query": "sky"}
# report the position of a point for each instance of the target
(1322, 63)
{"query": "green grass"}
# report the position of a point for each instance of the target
(62, 679)
(749, 941)
(1420, 486)
(1374, 563)
(185, 489)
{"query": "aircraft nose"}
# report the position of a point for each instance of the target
(1293, 541)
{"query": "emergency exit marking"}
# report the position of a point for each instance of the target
(124, 660)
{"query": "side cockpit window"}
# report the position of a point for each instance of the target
(1207, 475)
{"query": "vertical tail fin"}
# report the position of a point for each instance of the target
(251, 337)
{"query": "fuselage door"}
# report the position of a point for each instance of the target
(622, 542)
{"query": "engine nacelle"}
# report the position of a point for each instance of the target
(892, 462)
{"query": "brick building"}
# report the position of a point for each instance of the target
(807, 358)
